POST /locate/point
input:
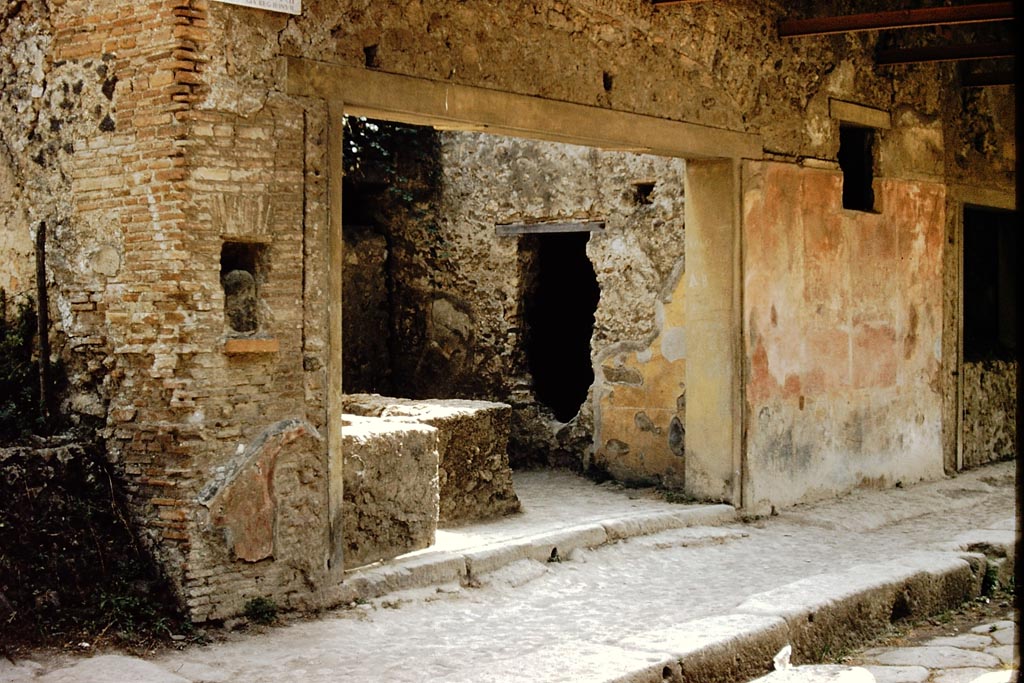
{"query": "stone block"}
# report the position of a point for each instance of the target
(390, 501)
(474, 473)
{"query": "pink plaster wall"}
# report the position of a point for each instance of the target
(843, 323)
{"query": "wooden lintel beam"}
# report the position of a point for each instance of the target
(893, 19)
(505, 229)
(666, 3)
(945, 53)
(984, 79)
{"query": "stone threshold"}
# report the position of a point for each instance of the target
(430, 567)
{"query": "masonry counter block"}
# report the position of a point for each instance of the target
(474, 474)
(391, 488)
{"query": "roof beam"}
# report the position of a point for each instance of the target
(944, 53)
(907, 18)
(984, 79)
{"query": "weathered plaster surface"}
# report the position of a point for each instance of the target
(17, 250)
(242, 500)
(843, 316)
(640, 406)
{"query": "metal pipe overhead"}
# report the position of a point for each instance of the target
(944, 53)
(894, 19)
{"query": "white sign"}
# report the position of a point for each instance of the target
(287, 6)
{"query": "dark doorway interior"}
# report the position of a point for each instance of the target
(856, 160)
(990, 284)
(560, 295)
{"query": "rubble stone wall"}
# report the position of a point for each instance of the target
(391, 488)
(990, 412)
(146, 136)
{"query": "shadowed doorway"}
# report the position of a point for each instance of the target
(560, 295)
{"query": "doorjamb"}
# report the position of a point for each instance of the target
(961, 196)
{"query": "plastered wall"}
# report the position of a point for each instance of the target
(843, 318)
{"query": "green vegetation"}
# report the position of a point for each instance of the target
(71, 569)
(261, 611)
(19, 373)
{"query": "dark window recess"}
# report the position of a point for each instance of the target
(856, 159)
(240, 272)
(370, 59)
(991, 242)
(642, 193)
(560, 298)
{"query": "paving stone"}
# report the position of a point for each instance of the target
(999, 626)
(1005, 653)
(969, 641)
(966, 675)
(20, 672)
(200, 673)
(1007, 676)
(899, 674)
(937, 657)
(1008, 524)
(1005, 636)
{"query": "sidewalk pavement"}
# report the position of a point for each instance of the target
(640, 590)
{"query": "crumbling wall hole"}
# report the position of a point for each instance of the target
(559, 295)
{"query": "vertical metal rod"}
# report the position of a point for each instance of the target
(43, 327)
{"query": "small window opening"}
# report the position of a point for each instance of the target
(856, 160)
(240, 272)
(642, 192)
(370, 59)
(560, 296)
(608, 81)
(990, 284)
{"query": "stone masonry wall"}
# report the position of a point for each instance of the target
(145, 136)
(91, 124)
(467, 309)
(990, 412)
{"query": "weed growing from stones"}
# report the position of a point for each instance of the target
(261, 611)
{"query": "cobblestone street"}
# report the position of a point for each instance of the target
(975, 640)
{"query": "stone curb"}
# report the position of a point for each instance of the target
(718, 649)
(997, 543)
(818, 616)
(458, 566)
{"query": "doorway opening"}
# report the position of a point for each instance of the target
(989, 371)
(990, 284)
(559, 298)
